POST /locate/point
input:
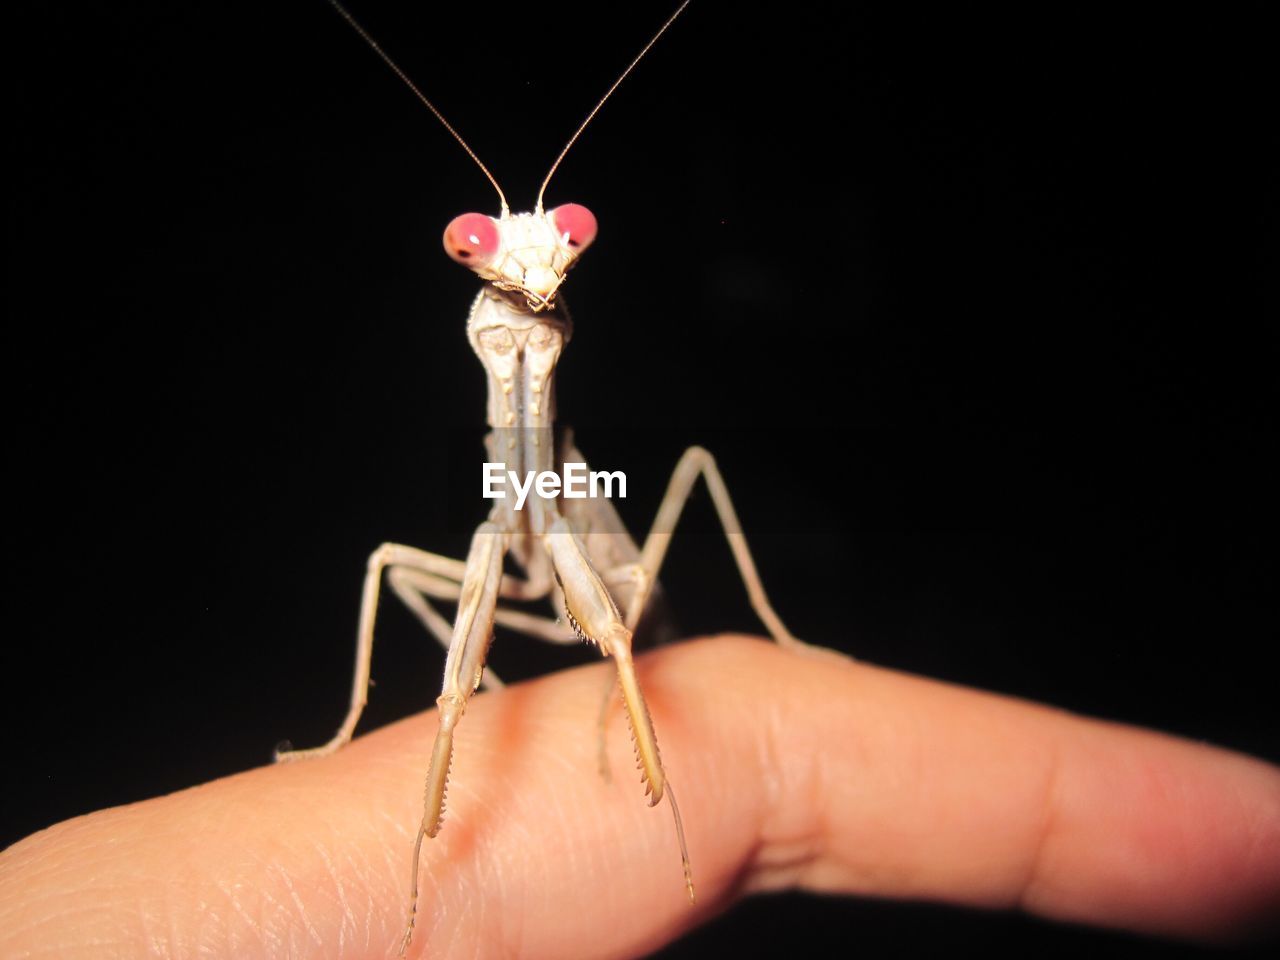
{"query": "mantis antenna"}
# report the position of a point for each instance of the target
(596, 109)
(506, 211)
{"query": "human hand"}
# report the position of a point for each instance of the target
(793, 771)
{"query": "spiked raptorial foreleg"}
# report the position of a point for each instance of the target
(592, 611)
(472, 631)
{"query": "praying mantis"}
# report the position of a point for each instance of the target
(575, 553)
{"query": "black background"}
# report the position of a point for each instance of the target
(968, 304)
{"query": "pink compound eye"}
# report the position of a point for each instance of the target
(575, 224)
(471, 239)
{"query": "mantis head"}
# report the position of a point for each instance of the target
(525, 253)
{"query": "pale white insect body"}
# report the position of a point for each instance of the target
(576, 553)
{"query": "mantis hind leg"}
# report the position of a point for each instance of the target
(697, 462)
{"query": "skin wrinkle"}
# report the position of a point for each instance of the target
(537, 896)
(493, 880)
(1003, 805)
(212, 926)
(375, 918)
(891, 765)
(304, 912)
(83, 899)
(821, 840)
(918, 781)
(1162, 787)
(159, 943)
(1259, 835)
(1049, 806)
(1038, 769)
(367, 881)
(1022, 818)
(270, 908)
(160, 915)
(274, 910)
(493, 867)
(252, 928)
(344, 906)
(231, 892)
(1123, 808)
(871, 730)
(789, 817)
(513, 925)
